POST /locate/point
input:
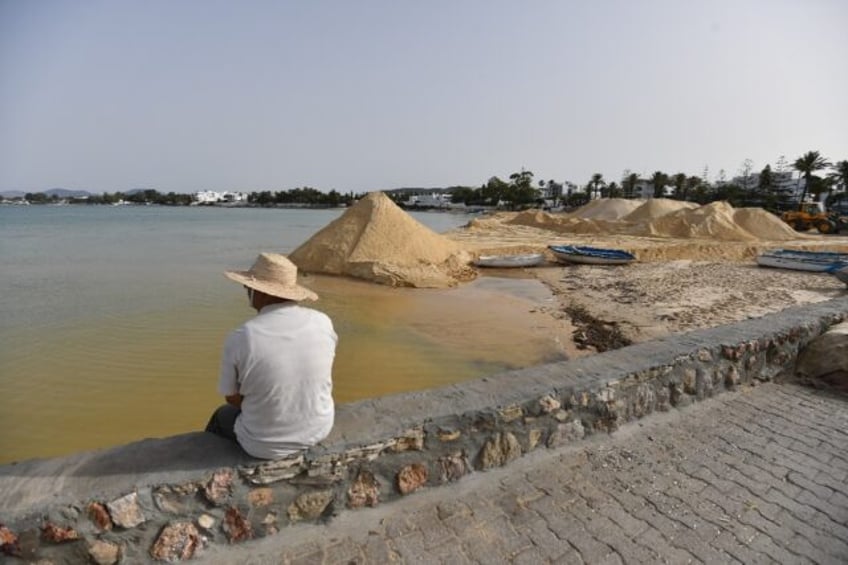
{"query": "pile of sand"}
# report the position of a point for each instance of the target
(377, 241)
(656, 217)
(764, 225)
(654, 208)
(720, 221)
(606, 209)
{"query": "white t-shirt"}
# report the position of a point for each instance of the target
(281, 362)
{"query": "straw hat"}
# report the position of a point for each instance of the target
(273, 274)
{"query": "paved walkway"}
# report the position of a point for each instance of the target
(757, 476)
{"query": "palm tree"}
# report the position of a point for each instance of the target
(630, 185)
(597, 183)
(806, 165)
(659, 179)
(840, 174)
(679, 182)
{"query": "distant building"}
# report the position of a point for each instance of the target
(782, 183)
(430, 200)
(212, 197)
(644, 188)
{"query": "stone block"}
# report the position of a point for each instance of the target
(273, 471)
(236, 525)
(99, 516)
(364, 490)
(412, 477)
(218, 488)
(644, 400)
(58, 534)
(104, 552)
(206, 522)
(125, 511)
(826, 357)
(8, 541)
(452, 467)
(175, 499)
(176, 542)
(310, 505)
(499, 450)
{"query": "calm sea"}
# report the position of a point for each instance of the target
(112, 319)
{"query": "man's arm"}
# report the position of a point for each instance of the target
(228, 381)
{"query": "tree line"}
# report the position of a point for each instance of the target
(769, 188)
(305, 196)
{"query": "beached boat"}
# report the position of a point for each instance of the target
(797, 260)
(510, 261)
(591, 255)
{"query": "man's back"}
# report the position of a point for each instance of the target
(281, 363)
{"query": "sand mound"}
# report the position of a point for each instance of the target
(606, 209)
(534, 218)
(655, 218)
(764, 225)
(377, 241)
(713, 221)
(720, 221)
(654, 208)
(562, 223)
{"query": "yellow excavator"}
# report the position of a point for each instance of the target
(811, 215)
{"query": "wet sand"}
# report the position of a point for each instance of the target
(677, 284)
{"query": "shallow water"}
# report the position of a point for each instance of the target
(111, 321)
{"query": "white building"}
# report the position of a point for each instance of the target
(211, 197)
(431, 200)
(644, 188)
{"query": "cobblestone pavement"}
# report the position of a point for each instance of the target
(756, 476)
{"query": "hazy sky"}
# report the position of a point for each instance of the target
(374, 94)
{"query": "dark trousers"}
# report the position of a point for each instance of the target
(223, 421)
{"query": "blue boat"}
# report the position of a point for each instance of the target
(591, 255)
(797, 260)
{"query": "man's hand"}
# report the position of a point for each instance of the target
(234, 399)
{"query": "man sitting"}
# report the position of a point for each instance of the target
(276, 369)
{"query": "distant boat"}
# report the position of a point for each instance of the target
(510, 261)
(591, 255)
(797, 260)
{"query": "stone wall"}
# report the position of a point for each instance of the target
(380, 449)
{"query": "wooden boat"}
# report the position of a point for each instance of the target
(591, 255)
(510, 261)
(797, 260)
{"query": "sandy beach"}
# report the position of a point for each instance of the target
(678, 284)
(696, 265)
